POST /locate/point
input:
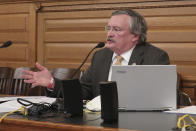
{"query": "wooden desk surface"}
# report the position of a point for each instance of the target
(19, 123)
(14, 124)
(128, 121)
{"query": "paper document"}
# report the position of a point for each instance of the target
(24, 97)
(12, 103)
(185, 110)
(94, 104)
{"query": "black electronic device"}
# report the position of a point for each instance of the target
(109, 101)
(73, 104)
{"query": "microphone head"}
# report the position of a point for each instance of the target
(100, 45)
(6, 44)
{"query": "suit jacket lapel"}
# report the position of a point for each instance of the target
(137, 55)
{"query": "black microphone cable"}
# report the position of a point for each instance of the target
(36, 109)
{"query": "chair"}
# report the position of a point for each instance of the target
(5, 79)
(19, 87)
(183, 99)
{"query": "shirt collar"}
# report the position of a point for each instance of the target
(126, 55)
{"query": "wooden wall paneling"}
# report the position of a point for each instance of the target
(17, 24)
(32, 35)
(69, 36)
(168, 27)
(75, 1)
(40, 38)
(180, 53)
(113, 4)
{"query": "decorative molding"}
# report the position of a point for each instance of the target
(113, 5)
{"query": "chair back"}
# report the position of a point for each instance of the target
(65, 73)
(18, 86)
(183, 99)
(5, 79)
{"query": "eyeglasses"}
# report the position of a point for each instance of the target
(115, 29)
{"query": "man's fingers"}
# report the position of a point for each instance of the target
(27, 76)
(40, 67)
(28, 72)
(29, 81)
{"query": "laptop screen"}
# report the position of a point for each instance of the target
(146, 87)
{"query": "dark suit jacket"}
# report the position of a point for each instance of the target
(143, 54)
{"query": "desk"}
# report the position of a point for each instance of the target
(145, 121)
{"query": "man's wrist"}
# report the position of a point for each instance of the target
(51, 84)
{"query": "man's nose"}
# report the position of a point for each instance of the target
(110, 33)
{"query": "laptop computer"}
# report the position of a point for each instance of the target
(146, 87)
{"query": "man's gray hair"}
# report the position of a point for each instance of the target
(137, 24)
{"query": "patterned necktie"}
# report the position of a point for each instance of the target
(119, 60)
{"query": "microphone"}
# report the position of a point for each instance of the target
(6, 44)
(100, 45)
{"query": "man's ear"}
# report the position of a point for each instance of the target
(135, 38)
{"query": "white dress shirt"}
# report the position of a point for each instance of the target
(126, 56)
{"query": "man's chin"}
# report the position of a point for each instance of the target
(110, 46)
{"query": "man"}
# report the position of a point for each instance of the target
(126, 37)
